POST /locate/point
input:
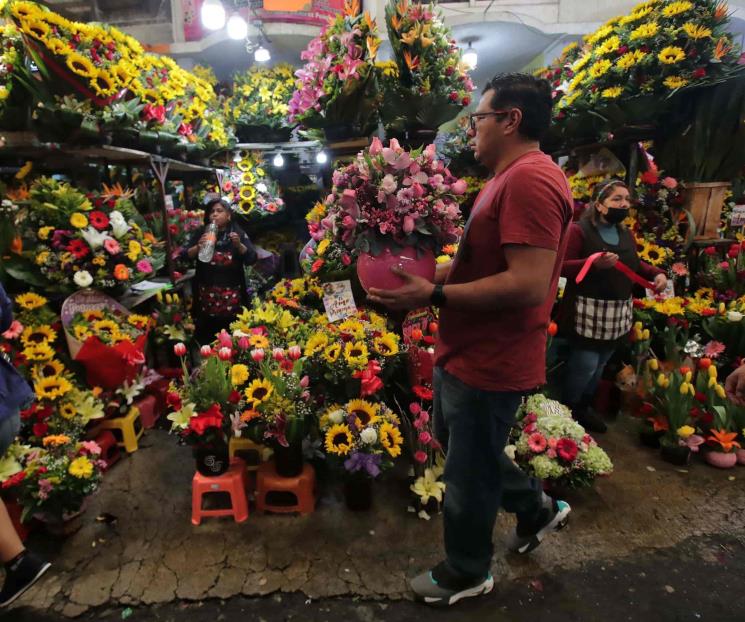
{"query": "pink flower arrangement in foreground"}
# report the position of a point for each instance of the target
(390, 196)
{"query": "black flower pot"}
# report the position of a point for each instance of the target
(650, 438)
(358, 493)
(212, 461)
(677, 455)
(262, 134)
(288, 461)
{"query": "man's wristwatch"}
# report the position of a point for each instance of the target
(438, 298)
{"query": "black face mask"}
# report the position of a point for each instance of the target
(616, 215)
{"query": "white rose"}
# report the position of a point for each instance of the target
(734, 316)
(83, 278)
(369, 436)
(336, 417)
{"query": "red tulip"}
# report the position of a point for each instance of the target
(179, 349)
(225, 354)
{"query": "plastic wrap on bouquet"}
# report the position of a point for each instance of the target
(421, 365)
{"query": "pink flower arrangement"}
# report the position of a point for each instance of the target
(390, 196)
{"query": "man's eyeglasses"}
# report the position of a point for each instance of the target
(481, 115)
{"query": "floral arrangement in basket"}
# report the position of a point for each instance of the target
(431, 84)
(362, 436)
(56, 478)
(393, 199)
(259, 100)
(173, 322)
(550, 445)
(627, 68)
(253, 194)
(338, 86)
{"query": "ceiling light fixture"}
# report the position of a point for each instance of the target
(321, 157)
(237, 27)
(262, 55)
(278, 161)
(470, 57)
(212, 14)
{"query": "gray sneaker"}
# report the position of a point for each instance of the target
(529, 534)
(448, 588)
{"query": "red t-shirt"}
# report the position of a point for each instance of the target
(529, 203)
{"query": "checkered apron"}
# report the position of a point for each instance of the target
(604, 320)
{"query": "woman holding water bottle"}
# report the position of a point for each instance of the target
(222, 250)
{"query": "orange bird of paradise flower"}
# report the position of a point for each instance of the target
(351, 7)
(720, 12)
(396, 22)
(373, 44)
(722, 48)
(369, 21)
(116, 191)
(725, 439)
(411, 63)
(402, 7)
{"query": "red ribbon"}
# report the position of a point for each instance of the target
(620, 266)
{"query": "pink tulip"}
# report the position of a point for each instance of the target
(408, 224)
(294, 352)
(278, 354)
(376, 146)
(226, 341)
(225, 354)
(243, 344)
(205, 351)
(304, 382)
(179, 349)
(257, 355)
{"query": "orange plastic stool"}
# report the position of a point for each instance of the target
(233, 481)
(303, 487)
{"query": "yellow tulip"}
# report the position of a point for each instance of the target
(722, 308)
(646, 334)
(719, 389)
(684, 388)
(661, 380)
(653, 364)
(638, 326)
(686, 431)
(689, 376)
(712, 372)
(712, 382)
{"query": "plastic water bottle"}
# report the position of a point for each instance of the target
(208, 248)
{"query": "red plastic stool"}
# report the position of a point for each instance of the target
(110, 452)
(149, 413)
(303, 487)
(159, 389)
(233, 481)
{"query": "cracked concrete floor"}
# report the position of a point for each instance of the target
(152, 554)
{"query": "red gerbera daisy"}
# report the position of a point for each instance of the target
(99, 220)
(422, 392)
(78, 249)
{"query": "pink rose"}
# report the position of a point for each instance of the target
(420, 457)
(552, 442)
(425, 438)
(459, 187)
(551, 453)
(415, 408)
(670, 183)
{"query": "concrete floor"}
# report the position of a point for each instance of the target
(673, 535)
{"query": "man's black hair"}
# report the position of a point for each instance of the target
(530, 94)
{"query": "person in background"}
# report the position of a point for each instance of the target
(22, 568)
(495, 299)
(220, 285)
(598, 312)
(735, 386)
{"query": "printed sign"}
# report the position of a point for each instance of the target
(338, 300)
(737, 218)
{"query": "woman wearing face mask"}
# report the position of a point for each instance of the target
(598, 312)
(219, 285)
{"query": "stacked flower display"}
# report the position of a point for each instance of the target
(431, 83)
(253, 194)
(337, 86)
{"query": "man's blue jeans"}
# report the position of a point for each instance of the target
(584, 370)
(473, 426)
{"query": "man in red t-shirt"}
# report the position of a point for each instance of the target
(495, 299)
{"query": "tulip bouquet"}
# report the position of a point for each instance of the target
(337, 85)
(173, 323)
(390, 197)
(431, 83)
(672, 397)
(550, 445)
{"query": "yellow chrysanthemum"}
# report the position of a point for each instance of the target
(316, 343)
(356, 354)
(600, 68)
(80, 65)
(675, 82)
(238, 375)
(339, 440)
(391, 439)
(134, 250)
(81, 467)
(612, 92)
(39, 352)
(103, 83)
(48, 369)
(366, 413)
(645, 31)
(258, 391)
(51, 388)
(258, 341)
(676, 8)
(30, 301)
(67, 411)
(386, 344)
(55, 440)
(695, 31)
(331, 353)
(322, 247)
(630, 59)
(671, 55)
(33, 335)
(78, 220)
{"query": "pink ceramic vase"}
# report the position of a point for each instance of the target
(720, 459)
(376, 271)
(740, 453)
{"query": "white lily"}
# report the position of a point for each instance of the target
(180, 419)
(95, 238)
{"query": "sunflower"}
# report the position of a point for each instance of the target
(356, 353)
(339, 440)
(51, 388)
(671, 55)
(248, 178)
(80, 65)
(244, 165)
(630, 59)
(612, 92)
(24, 10)
(124, 73)
(30, 301)
(103, 83)
(258, 391)
(611, 44)
(676, 8)
(67, 410)
(386, 344)
(81, 332)
(258, 341)
(332, 352)
(391, 439)
(316, 343)
(364, 412)
(238, 375)
(247, 193)
(694, 31)
(105, 327)
(599, 35)
(138, 321)
(92, 315)
(600, 68)
(39, 352)
(34, 335)
(48, 369)
(581, 62)
(645, 31)
(36, 28)
(635, 16)
(353, 328)
(675, 82)
(654, 254)
(245, 207)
